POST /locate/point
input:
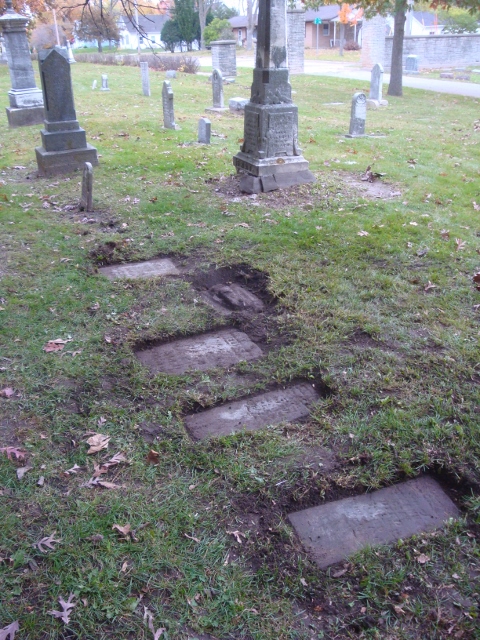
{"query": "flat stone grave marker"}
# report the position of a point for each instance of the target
(147, 269)
(227, 298)
(200, 353)
(331, 532)
(253, 413)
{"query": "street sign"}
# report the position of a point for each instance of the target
(317, 21)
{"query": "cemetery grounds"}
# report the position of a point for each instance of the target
(368, 292)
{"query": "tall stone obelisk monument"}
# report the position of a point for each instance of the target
(270, 157)
(26, 100)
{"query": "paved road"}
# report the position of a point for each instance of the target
(355, 72)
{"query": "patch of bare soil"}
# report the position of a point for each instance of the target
(377, 189)
(348, 183)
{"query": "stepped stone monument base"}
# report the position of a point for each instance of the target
(270, 157)
(51, 163)
(25, 116)
(64, 143)
(26, 100)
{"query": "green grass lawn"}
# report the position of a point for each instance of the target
(375, 296)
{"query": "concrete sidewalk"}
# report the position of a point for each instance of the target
(350, 71)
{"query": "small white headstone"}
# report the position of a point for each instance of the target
(94, 85)
(145, 78)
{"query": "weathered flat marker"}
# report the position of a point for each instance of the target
(253, 413)
(200, 353)
(147, 269)
(333, 531)
(227, 298)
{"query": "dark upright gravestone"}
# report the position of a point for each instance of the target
(86, 201)
(64, 145)
(411, 64)
(270, 157)
(376, 83)
(167, 103)
(26, 102)
(204, 131)
(358, 116)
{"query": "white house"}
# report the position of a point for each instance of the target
(148, 33)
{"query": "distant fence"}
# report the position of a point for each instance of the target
(436, 52)
(187, 64)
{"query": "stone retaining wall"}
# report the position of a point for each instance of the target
(436, 52)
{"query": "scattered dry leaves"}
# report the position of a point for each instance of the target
(55, 345)
(148, 618)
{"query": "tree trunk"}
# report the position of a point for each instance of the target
(203, 7)
(396, 66)
(249, 25)
(342, 38)
(99, 45)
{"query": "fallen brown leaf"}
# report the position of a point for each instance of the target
(153, 457)
(238, 535)
(422, 558)
(460, 244)
(49, 541)
(97, 442)
(66, 609)
(9, 631)
(21, 471)
(429, 286)
(13, 451)
(8, 392)
(55, 345)
(148, 617)
(126, 530)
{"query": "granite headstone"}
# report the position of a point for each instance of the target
(376, 83)
(167, 103)
(358, 116)
(270, 157)
(64, 145)
(104, 86)
(145, 78)
(204, 131)
(217, 90)
(3, 50)
(26, 101)
(411, 64)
